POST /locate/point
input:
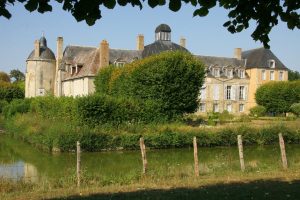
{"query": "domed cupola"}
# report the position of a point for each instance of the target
(162, 42)
(163, 33)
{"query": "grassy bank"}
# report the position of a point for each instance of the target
(53, 134)
(250, 185)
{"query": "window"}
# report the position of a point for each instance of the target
(263, 75)
(203, 93)
(229, 73)
(229, 107)
(215, 107)
(202, 107)
(78, 68)
(119, 64)
(242, 93)
(41, 92)
(281, 76)
(216, 72)
(228, 92)
(216, 92)
(73, 70)
(271, 63)
(272, 76)
(241, 73)
(241, 107)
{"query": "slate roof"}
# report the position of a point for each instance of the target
(89, 58)
(220, 61)
(160, 46)
(45, 52)
(124, 55)
(258, 58)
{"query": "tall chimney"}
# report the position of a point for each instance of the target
(238, 53)
(36, 48)
(59, 56)
(182, 42)
(59, 48)
(140, 42)
(104, 54)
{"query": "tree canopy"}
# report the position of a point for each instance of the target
(266, 13)
(294, 75)
(277, 97)
(4, 77)
(17, 75)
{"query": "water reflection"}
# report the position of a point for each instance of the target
(19, 171)
(22, 161)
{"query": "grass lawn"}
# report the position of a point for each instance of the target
(278, 185)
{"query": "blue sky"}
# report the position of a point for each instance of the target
(120, 26)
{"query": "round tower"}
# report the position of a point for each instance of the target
(40, 70)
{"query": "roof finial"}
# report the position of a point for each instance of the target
(43, 34)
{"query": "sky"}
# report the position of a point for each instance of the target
(120, 27)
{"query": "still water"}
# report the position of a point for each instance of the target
(21, 161)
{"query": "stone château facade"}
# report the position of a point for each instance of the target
(230, 83)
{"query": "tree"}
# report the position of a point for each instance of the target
(294, 75)
(172, 79)
(266, 13)
(4, 77)
(277, 97)
(17, 75)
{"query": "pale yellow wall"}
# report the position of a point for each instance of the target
(40, 74)
(78, 87)
(256, 81)
(211, 82)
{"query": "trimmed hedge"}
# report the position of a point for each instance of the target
(60, 135)
(277, 97)
(171, 79)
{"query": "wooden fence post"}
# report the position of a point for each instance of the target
(78, 163)
(241, 153)
(143, 151)
(282, 150)
(196, 163)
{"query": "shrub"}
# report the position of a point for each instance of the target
(295, 108)
(16, 106)
(9, 91)
(277, 97)
(171, 79)
(225, 116)
(258, 111)
(3, 103)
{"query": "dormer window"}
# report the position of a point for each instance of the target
(241, 73)
(72, 69)
(229, 73)
(271, 63)
(78, 68)
(216, 72)
(119, 63)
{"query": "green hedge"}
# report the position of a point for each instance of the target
(10, 91)
(277, 97)
(171, 79)
(54, 134)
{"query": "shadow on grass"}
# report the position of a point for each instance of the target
(273, 190)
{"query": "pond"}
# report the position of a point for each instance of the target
(19, 160)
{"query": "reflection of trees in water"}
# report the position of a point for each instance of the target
(127, 164)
